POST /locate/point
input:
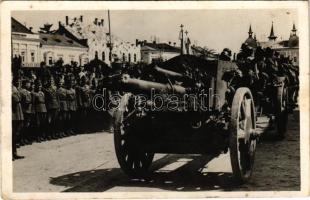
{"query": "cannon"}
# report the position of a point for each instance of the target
(183, 109)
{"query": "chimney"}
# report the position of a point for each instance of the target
(67, 20)
(96, 21)
(81, 18)
(75, 19)
(154, 42)
(169, 43)
(59, 24)
(174, 44)
(137, 42)
(102, 22)
(30, 28)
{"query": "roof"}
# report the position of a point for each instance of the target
(182, 62)
(63, 30)
(163, 47)
(18, 27)
(251, 42)
(272, 36)
(59, 40)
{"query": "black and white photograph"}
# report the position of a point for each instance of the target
(155, 100)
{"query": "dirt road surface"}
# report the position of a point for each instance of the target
(87, 163)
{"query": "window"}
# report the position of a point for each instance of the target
(96, 54)
(135, 57)
(50, 60)
(110, 56)
(295, 59)
(103, 56)
(23, 54)
(129, 57)
(124, 59)
(32, 56)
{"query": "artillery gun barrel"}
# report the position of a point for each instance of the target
(168, 72)
(132, 84)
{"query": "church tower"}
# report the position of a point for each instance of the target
(272, 36)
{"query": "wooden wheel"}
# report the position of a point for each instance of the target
(281, 110)
(131, 158)
(242, 143)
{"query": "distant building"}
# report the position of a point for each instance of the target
(288, 47)
(204, 52)
(158, 51)
(96, 36)
(25, 44)
(251, 41)
(57, 47)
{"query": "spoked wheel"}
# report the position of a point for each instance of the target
(281, 110)
(242, 144)
(131, 157)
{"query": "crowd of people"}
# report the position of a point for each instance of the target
(55, 102)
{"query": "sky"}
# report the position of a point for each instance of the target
(216, 29)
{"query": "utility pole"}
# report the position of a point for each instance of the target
(110, 37)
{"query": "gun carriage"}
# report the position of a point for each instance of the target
(181, 107)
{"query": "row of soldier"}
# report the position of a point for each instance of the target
(261, 66)
(53, 104)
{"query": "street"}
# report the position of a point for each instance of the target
(87, 163)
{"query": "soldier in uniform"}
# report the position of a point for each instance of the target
(52, 105)
(62, 117)
(85, 102)
(40, 111)
(26, 102)
(72, 105)
(225, 55)
(17, 116)
(246, 63)
(33, 120)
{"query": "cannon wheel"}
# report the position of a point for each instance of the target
(281, 110)
(242, 143)
(132, 159)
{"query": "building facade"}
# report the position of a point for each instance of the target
(151, 52)
(288, 48)
(97, 38)
(56, 47)
(25, 45)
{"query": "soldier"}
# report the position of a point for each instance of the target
(271, 64)
(52, 105)
(17, 116)
(62, 117)
(40, 111)
(85, 102)
(246, 63)
(72, 105)
(225, 55)
(33, 120)
(26, 102)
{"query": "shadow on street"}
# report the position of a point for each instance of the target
(189, 176)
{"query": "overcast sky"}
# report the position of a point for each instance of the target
(215, 29)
